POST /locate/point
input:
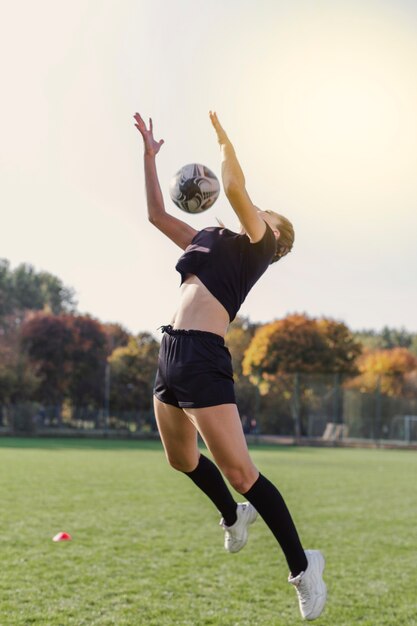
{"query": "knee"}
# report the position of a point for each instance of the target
(241, 479)
(181, 464)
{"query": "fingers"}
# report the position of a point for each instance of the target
(140, 124)
(216, 124)
(222, 137)
(213, 118)
(139, 119)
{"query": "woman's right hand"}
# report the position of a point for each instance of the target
(222, 137)
(151, 146)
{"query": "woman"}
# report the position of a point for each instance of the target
(194, 390)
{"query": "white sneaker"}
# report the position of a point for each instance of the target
(310, 586)
(236, 536)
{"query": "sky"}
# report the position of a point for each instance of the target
(319, 99)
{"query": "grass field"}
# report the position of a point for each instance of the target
(147, 548)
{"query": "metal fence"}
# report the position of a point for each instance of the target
(323, 407)
(32, 418)
(306, 406)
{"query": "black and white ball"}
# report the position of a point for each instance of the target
(194, 188)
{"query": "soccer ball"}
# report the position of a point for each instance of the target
(194, 188)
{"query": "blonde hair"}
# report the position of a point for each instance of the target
(286, 239)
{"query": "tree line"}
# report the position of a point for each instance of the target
(55, 356)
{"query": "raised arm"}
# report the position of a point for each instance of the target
(235, 187)
(178, 231)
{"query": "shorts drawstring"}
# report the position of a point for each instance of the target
(191, 333)
(165, 329)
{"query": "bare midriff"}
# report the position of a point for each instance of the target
(199, 309)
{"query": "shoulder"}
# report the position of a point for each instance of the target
(267, 245)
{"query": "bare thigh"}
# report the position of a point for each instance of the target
(222, 431)
(178, 435)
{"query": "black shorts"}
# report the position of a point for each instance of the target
(194, 369)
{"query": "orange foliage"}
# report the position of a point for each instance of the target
(301, 344)
(388, 369)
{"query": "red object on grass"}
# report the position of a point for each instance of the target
(62, 537)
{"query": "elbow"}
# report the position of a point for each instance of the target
(234, 188)
(155, 219)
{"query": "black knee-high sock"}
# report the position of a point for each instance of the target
(209, 479)
(270, 505)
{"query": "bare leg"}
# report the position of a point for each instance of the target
(221, 429)
(179, 437)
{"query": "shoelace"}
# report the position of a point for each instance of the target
(303, 592)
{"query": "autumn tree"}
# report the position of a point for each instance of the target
(47, 339)
(23, 290)
(387, 371)
(300, 344)
(68, 355)
(238, 338)
(87, 355)
(282, 350)
(133, 369)
(117, 336)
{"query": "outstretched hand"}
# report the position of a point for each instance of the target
(222, 137)
(151, 146)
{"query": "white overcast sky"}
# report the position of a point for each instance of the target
(319, 98)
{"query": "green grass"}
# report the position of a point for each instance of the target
(147, 548)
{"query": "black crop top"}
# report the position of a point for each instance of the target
(227, 263)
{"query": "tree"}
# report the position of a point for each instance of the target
(87, 355)
(385, 370)
(238, 338)
(18, 381)
(413, 346)
(133, 369)
(282, 350)
(6, 298)
(37, 291)
(117, 336)
(24, 289)
(395, 338)
(47, 340)
(68, 355)
(387, 338)
(56, 296)
(299, 344)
